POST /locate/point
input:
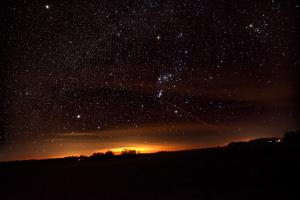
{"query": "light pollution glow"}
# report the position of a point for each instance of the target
(149, 138)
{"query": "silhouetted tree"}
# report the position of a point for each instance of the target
(128, 152)
(109, 154)
(97, 156)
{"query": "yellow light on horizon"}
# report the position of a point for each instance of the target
(141, 149)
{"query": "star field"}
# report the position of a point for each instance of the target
(96, 66)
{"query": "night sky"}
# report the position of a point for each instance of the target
(79, 77)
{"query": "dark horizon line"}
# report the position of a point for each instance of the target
(103, 154)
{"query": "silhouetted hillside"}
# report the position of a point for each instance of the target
(260, 169)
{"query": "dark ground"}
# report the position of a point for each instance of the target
(239, 171)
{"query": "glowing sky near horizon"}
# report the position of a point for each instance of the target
(148, 138)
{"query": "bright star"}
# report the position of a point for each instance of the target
(160, 93)
(47, 6)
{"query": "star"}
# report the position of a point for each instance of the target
(180, 35)
(164, 78)
(47, 6)
(160, 93)
(78, 116)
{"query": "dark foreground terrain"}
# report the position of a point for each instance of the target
(258, 170)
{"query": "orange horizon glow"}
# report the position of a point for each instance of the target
(139, 148)
(145, 139)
